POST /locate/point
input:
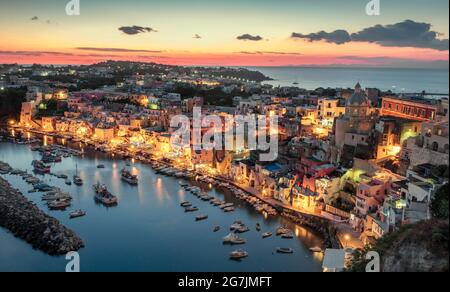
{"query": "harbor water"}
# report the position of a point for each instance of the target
(148, 230)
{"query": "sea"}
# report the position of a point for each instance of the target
(432, 81)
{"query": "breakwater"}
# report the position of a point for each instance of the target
(26, 221)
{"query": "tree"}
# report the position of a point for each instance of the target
(11, 102)
(439, 203)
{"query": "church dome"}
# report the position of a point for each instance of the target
(358, 98)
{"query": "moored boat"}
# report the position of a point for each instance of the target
(77, 214)
(285, 250)
(190, 209)
(60, 204)
(267, 234)
(201, 217)
(77, 180)
(238, 254)
(316, 249)
(128, 177)
(233, 239)
(40, 167)
(282, 230)
(104, 196)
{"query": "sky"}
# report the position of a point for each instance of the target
(406, 34)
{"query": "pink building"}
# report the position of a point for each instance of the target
(370, 195)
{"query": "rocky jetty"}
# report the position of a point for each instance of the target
(28, 222)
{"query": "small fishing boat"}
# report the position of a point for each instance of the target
(68, 182)
(104, 196)
(77, 214)
(100, 166)
(258, 227)
(216, 228)
(191, 209)
(77, 180)
(316, 249)
(40, 167)
(201, 217)
(238, 254)
(288, 235)
(229, 209)
(282, 230)
(59, 204)
(285, 250)
(233, 239)
(267, 235)
(236, 225)
(128, 177)
(185, 204)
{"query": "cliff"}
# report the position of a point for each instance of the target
(422, 247)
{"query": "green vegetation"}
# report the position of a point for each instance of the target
(439, 203)
(440, 171)
(213, 96)
(427, 240)
(51, 107)
(11, 103)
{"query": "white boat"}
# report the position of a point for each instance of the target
(77, 214)
(128, 177)
(201, 217)
(238, 254)
(316, 249)
(288, 235)
(285, 250)
(233, 239)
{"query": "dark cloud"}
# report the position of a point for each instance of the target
(249, 37)
(117, 50)
(403, 34)
(197, 36)
(268, 53)
(135, 29)
(338, 36)
(35, 18)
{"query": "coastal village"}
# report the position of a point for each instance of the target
(354, 163)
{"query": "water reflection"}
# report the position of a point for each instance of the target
(148, 230)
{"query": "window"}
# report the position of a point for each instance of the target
(435, 146)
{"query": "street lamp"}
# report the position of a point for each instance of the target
(347, 239)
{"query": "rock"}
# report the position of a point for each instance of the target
(28, 222)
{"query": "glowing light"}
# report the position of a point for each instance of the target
(45, 140)
(28, 135)
(12, 122)
(396, 150)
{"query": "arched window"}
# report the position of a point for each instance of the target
(435, 146)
